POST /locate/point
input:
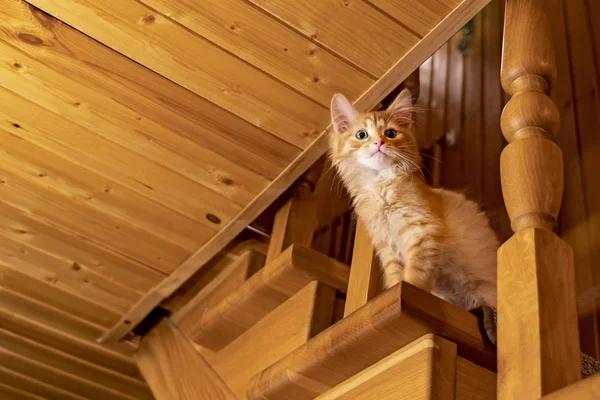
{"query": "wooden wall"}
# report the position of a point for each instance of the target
(461, 101)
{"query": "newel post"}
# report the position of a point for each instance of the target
(538, 345)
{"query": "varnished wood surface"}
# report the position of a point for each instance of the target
(262, 293)
(139, 139)
(390, 321)
(424, 369)
(586, 389)
(538, 342)
(366, 276)
(398, 71)
(474, 382)
(175, 370)
(290, 325)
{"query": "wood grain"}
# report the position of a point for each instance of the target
(295, 221)
(49, 293)
(43, 168)
(175, 370)
(44, 235)
(34, 387)
(473, 118)
(66, 274)
(261, 294)
(421, 17)
(28, 308)
(262, 41)
(423, 369)
(81, 369)
(187, 162)
(32, 194)
(215, 283)
(439, 89)
(10, 393)
(290, 325)
(365, 280)
(387, 323)
(587, 389)
(492, 99)
(220, 78)
(153, 97)
(134, 172)
(351, 36)
(474, 382)
(536, 289)
(28, 327)
(400, 70)
(59, 379)
(536, 281)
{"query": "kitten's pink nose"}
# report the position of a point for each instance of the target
(379, 143)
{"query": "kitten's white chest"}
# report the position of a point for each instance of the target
(382, 214)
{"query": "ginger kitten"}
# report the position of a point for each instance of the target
(435, 239)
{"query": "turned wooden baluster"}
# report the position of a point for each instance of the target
(538, 345)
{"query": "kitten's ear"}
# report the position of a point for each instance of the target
(343, 113)
(402, 108)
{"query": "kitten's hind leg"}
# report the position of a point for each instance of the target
(422, 258)
(391, 266)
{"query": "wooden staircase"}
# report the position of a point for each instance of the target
(272, 332)
(269, 333)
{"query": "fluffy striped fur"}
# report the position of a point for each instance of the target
(435, 239)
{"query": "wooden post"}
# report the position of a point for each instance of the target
(365, 274)
(175, 370)
(538, 345)
(296, 220)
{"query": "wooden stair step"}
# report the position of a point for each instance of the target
(262, 293)
(290, 325)
(387, 323)
(423, 369)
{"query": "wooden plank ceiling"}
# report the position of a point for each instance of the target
(141, 136)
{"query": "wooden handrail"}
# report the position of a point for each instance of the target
(537, 320)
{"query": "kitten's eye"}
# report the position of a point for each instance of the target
(361, 135)
(390, 134)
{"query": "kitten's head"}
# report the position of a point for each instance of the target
(374, 141)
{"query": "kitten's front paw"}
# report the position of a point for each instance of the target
(391, 278)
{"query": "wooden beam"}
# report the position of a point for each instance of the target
(537, 318)
(423, 369)
(296, 220)
(175, 370)
(402, 69)
(259, 295)
(215, 282)
(365, 274)
(387, 323)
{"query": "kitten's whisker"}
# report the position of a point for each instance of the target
(433, 158)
